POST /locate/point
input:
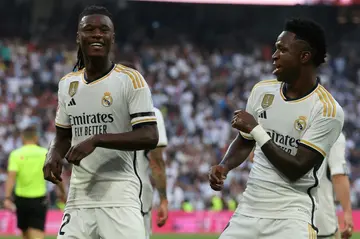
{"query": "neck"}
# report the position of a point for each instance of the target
(96, 67)
(303, 84)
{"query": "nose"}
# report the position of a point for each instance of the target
(97, 33)
(276, 55)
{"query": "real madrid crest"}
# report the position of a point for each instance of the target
(107, 100)
(73, 88)
(267, 100)
(300, 123)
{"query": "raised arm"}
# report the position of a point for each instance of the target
(144, 135)
(313, 147)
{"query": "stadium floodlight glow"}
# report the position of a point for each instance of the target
(247, 2)
(263, 2)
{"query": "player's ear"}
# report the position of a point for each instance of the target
(305, 57)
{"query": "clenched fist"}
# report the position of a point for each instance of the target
(217, 175)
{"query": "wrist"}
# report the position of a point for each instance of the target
(163, 201)
(225, 168)
(347, 211)
(96, 139)
(260, 135)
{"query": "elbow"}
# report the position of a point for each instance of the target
(295, 174)
(152, 138)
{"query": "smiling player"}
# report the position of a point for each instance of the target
(105, 114)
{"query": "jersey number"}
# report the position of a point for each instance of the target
(66, 220)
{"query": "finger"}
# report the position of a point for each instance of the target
(161, 222)
(216, 187)
(237, 112)
(78, 156)
(67, 155)
(233, 121)
(72, 157)
(57, 172)
(214, 178)
(48, 175)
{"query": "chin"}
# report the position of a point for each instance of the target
(97, 54)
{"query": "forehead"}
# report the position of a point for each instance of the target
(95, 20)
(285, 38)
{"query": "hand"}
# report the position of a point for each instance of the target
(53, 168)
(217, 175)
(243, 121)
(162, 214)
(348, 226)
(9, 205)
(78, 152)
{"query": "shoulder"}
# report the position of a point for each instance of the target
(326, 106)
(134, 79)
(67, 81)
(15, 153)
(70, 76)
(265, 85)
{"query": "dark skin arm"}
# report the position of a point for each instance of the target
(236, 154)
(293, 167)
(142, 137)
(57, 151)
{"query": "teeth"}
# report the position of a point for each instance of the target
(95, 44)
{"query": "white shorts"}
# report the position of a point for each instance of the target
(105, 223)
(244, 227)
(148, 225)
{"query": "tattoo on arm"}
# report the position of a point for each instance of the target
(157, 166)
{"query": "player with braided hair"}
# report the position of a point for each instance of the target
(105, 115)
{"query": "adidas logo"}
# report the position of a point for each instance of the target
(263, 115)
(72, 102)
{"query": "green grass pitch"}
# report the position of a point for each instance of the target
(180, 236)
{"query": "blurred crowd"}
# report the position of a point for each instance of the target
(197, 90)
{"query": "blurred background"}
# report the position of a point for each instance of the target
(200, 60)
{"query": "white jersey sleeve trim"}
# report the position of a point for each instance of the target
(163, 141)
(336, 158)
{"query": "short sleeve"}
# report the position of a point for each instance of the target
(62, 119)
(336, 157)
(13, 162)
(323, 131)
(163, 141)
(140, 103)
(250, 109)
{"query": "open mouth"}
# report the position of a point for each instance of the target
(277, 68)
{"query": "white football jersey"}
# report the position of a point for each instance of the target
(144, 167)
(314, 121)
(326, 219)
(113, 104)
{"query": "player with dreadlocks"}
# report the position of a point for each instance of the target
(105, 114)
